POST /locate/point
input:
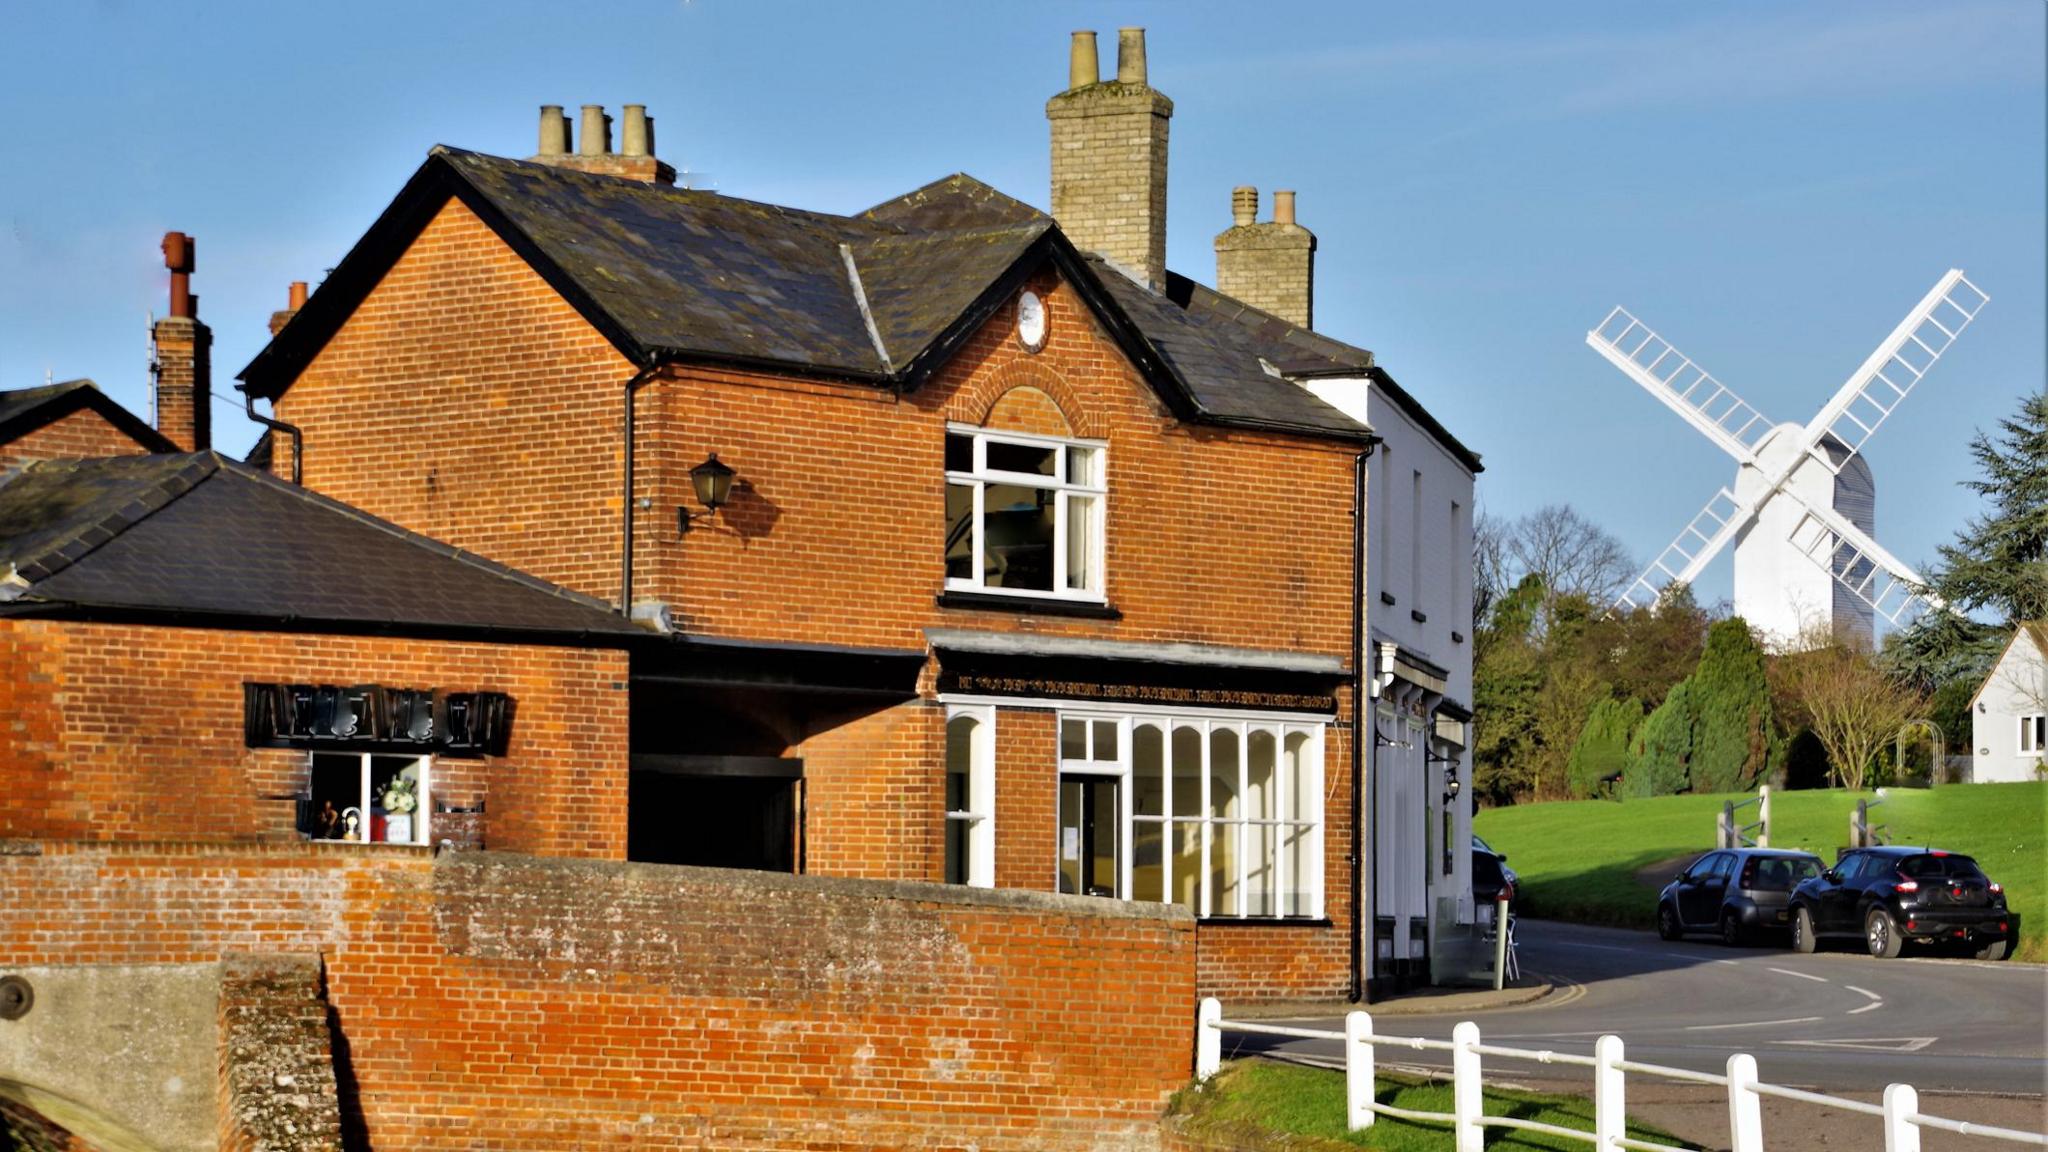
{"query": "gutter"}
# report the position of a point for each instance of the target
(626, 505)
(292, 430)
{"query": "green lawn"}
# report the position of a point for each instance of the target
(1258, 1104)
(1578, 859)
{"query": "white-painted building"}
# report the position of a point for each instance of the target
(2009, 714)
(1419, 615)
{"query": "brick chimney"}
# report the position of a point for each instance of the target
(635, 159)
(1109, 158)
(183, 364)
(1271, 266)
(295, 299)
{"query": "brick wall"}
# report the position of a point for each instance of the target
(1270, 267)
(277, 1086)
(81, 433)
(515, 1003)
(468, 401)
(874, 795)
(129, 732)
(184, 376)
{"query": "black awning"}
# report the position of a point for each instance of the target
(791, 668)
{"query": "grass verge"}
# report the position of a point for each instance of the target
(1579, 860)
(1259, 1104)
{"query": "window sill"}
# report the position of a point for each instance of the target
(1042, 606)
(1263, 922)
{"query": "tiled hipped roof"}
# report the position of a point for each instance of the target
(674, 274)
(198, 536)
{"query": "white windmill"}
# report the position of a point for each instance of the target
(1800, 514)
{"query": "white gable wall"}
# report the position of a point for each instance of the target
(2017, 687)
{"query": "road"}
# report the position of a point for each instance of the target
(1833, 1021)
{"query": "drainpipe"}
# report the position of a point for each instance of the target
(626, 517)
(292, 430)
(1360, 707)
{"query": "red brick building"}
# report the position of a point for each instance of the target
(1022, 566)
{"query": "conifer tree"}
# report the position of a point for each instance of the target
(1602, 748)
(1732, 734)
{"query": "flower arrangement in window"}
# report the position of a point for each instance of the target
(401, 796)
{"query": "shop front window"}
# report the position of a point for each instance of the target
(1222, 816)
(369, 798)
(1024, 515)
(970, 798)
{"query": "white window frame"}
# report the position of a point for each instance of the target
(1287, 787)
(982, 476)
(422, 821)
(2033, 734)
(980, 813)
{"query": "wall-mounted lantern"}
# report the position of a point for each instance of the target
(712, 481)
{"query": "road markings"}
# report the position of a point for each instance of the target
(1870, 1007)
(1876, 1001)
(1801, 975)
(1874, 1044)
(1751, 1024)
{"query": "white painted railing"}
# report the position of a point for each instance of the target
(1900, 1111)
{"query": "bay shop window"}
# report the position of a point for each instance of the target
(1224, 816)
(1024, 514)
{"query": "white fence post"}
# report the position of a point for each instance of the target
(1208, 1038)
(1358, 1071)
(1610, 1111)
(1763, 815)
(1467, 1104)
(1745, 1107)
(1900, 1133)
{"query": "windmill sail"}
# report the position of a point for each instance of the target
(1697, 544)
(1874, 576)
(1882, 382)
(1683, 386)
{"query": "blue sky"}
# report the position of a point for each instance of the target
(1771, 186)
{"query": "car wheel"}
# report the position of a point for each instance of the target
(1996, 950)
(1667, 923)
(1882, 935)
(1731, 930)
(1802, 931)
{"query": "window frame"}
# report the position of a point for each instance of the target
(422, 813)
(1063, 489)
(1289, 791)
(980, 813)
(2033, 734)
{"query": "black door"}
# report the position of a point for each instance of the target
(1838, 897)
(1090, 857)
(714, 819)
(1699, 896)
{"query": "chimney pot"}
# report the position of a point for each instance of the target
(1130, 56)
(596, 132)
(297, 295)
(1244, 206)
(554, 130)
(1083, 66)
(183, 355)
(1283, 207)
(633, 138)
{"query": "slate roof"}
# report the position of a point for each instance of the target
(198, 536)
(676, 274)
(24, 410)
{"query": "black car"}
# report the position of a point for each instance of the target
(1507, 875)
(1735, 892)
(1889, 896)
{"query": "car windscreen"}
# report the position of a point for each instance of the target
(1779, 873)
(1941, 867)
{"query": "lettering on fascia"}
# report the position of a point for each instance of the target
(984, 685)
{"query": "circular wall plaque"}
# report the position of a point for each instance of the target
(1031, 321)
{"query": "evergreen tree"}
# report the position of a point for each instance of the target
(1507, 675)
(1998, 565)
(1731, 697)
(1661, 755)
(1602, 748)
